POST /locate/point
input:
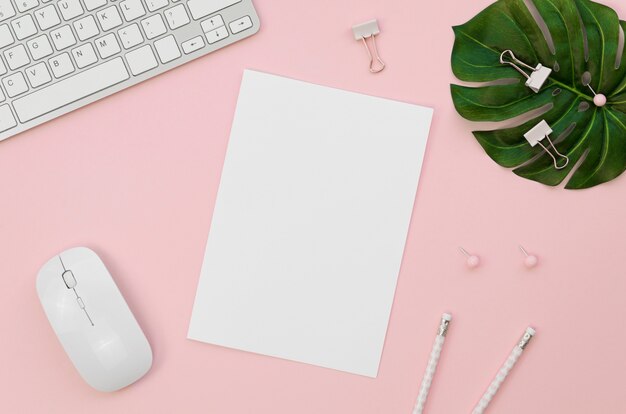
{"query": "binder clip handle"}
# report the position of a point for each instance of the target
(540, 132)
(537, 76)
(514, 61)
(556, 164)
(364, 31)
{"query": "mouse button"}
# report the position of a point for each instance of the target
(79, 255)
(69, 279)
(48, 277)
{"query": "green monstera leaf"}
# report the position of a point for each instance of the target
(584, 42)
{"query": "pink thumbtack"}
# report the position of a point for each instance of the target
(472, 260)
(530, 260)
(599, 100)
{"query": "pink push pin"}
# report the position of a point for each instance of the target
(530, 260)
(472, 260)
(598, 99)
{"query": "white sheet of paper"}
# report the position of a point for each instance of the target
(310, 223)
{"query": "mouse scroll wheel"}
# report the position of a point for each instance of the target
(69, 279)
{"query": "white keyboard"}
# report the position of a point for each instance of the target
(59, 55)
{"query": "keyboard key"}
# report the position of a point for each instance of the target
(61, 65)
(6, 10)
(39, 47)
(3, 69)
(212, 23)
(84, 55)
(167, 49)
(192, 45)
(94, 4)
(107, 46)
(177, 17)
(153, 26)
(63, 37)
(24, 26)
(16, 57)
(216, 35)
(109, 18)
(132, 9)
(240, 25)
(70, 8)
(156, 4)
(202, 8)
(15, 84)
(6, 37)
(7, 120)
(70, 89)
(47, 17)
(141, 60)
(130, 36)
(38, 75)
(25, 5)
(86, 28)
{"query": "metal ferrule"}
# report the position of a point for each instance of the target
(525, 340)
(443, 327)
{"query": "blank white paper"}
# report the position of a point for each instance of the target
(310, 223)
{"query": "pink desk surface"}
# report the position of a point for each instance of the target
(135, 176)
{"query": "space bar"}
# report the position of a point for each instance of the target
(70, 90)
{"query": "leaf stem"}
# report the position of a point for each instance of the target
(573, 90)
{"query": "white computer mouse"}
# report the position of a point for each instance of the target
(92, 320)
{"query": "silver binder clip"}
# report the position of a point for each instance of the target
(540, 132)
(365, 31)
(538, 75)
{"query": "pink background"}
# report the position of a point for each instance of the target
(135, 176)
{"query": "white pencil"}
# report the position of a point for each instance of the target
(432, 363)
(504, 371)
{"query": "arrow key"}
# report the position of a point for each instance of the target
(240, 25)
(192, 45)
(212, 23)
(217, 35)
